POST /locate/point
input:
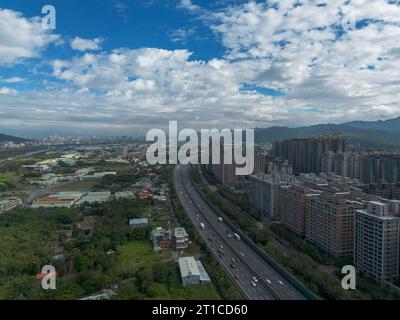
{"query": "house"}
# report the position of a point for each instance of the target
(143, 194)
(181, 238)
(161, 239)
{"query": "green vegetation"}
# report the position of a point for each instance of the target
(95, 247)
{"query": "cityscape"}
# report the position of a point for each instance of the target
(99, 201)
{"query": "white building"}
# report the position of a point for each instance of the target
(192, 271)
(377, 235)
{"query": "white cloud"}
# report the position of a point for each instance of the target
(344, 73)
(21, 38)
(5, 90)
(181, 35)
(325, 74)
(12, 80)
(188, 5)
(86, 44)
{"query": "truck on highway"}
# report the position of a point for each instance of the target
(237, 237)
(202, 225)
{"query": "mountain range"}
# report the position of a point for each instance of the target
(366, 134)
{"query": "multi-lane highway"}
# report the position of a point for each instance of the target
(254, 276)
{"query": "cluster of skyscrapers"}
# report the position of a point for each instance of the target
(344, 200)
(334, 213)
(332, 154)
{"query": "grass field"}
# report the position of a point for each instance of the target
(135, 255)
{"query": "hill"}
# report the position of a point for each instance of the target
(366, 134)
(392, 125)
(5, 138)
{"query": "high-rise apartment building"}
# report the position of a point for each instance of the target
(264, 194)
(377, 235)
(292, 199)
(330, 221)
(305, 153)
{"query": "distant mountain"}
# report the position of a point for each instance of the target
(4, 138)
(392, 125)
(373, 134)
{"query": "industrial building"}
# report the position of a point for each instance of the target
(192, 271)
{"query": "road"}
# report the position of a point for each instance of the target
(254, 276)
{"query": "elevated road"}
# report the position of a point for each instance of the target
(254, 276)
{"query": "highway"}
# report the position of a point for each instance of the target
(256, 279)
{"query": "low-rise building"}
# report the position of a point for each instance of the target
(96, 176)
(124, 195)
(192, 271)
(95, 197)
(161, 239)
(137, 223)
(181, 238)
(9, 204)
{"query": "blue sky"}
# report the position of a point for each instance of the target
(118, 66)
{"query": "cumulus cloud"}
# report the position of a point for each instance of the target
(21, 38)
(86, 44)
(314, 57)
(323, 71)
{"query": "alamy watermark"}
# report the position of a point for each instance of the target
(349, 280)
(49, 20)
(190, 152)
(48, 277)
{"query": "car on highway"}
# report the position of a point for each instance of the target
(229, 236)
(237, 237)
(280, 282)
(236, 277)
(202, 225)
(254, 284)
(268, 281)
(220, 219)
(255, 279)
(242, 254)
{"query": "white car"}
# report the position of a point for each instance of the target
(242, 254)
(280, 282)
(268, 281)
(255, 279)
(253, 284)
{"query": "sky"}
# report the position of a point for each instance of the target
(122, 67)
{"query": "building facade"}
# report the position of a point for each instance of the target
(377, 235)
